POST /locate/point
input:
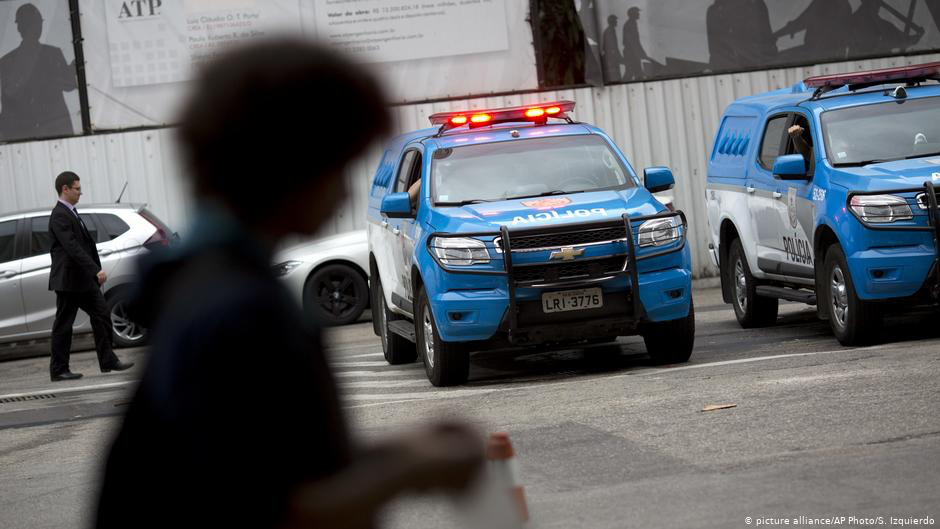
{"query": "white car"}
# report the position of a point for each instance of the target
(328, 276)
(122, 232)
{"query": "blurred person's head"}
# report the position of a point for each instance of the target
(29, 22)
(612, 20)
(271, 126)
(633, 13)
(69, 187)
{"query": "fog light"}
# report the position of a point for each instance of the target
(675, 294)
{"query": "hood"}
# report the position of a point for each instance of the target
(888, 175)
(298, 250)
(521, 213)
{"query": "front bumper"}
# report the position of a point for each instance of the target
(883, 273)
(512, 309)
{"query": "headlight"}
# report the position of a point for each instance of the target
(881, 208)
(459, 251)
(658, 232)
(282, 269)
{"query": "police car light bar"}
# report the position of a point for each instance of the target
(856, 80)
(476, 118)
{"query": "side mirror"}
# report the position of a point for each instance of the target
(790, 167)
(396, 206)
(658, 179)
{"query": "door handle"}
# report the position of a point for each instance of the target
(751, 189)
(384, 224)
(396, 231)
(7, 274)
(777, 194)
(105, 252)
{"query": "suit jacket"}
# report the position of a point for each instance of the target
(75, 262)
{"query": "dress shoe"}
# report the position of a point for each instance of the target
(66, 375)
(119, 366)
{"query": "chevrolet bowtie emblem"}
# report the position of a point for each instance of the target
(566, 254)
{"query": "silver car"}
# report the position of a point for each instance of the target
(328, 276)
(27, 307)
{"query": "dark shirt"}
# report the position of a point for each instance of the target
(236, 406)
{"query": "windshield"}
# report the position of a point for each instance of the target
(878, 133)
(525, 168)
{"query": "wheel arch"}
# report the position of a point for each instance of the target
(823, 238)
(727, 233)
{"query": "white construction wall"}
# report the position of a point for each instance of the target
(670, 123)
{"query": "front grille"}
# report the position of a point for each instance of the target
(585, 269)
(566, 238)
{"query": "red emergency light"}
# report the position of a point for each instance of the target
(856, 80)
(476, 118)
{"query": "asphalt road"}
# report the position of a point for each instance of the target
(602, 438)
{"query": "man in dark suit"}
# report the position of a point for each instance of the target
(76, 277)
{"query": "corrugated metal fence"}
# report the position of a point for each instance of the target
(669, 123)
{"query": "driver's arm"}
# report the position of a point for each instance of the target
(796, 134)
(413, 192)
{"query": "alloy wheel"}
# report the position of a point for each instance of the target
(123, 326)
(740, 285)
(428, 339)
(838, 296)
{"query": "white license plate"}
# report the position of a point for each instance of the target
(566, 300)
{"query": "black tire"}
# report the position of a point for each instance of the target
(397, 349)
(335, 294)
(750, 309)
(853, 320)
(124, 331)
(445, 364)
(671, 342)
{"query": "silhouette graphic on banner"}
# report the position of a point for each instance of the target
(33, 78)
(677, 38)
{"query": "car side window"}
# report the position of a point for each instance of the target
(7, 239)
(770, 145)
(90, 225)
(40, 240)
(113, 226)
(806, 149)
(404, 171)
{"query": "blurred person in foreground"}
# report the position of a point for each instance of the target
(237, 422)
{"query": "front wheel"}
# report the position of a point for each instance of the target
(750, 309)
(853, 320)
(336, 295)
(445, 364)
(671, 342)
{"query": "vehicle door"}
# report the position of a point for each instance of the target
(12, 316)
(766, 195)
(404, 231)
(410, 227)
(389, 260)
(796, 207)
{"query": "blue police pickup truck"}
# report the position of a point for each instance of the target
(517, 227)
(823, 193)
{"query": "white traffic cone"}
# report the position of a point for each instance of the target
(502, 464)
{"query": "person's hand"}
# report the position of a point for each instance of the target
(444, 455)
(795, 131)
(102, 277)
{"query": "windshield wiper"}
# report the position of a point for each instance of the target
(546, 194)
(866, 162)
(921, 155)
(462, 202)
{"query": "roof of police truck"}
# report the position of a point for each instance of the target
(505, 132)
